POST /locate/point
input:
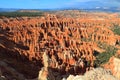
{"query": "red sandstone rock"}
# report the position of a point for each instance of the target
(65, 40)
(114, 66)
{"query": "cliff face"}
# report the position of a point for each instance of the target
(70, 43)
(113, 65)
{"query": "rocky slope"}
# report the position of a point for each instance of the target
(70, 43)
(95, 74)
(114, 66)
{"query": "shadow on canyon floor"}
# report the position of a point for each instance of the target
(10, 54)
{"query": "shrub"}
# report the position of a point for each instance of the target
(104, 57)
(116, 29)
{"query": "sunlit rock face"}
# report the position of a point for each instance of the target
(70, 44)
(113, 65)
(98, 73)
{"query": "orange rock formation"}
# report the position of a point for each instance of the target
(70, 43)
